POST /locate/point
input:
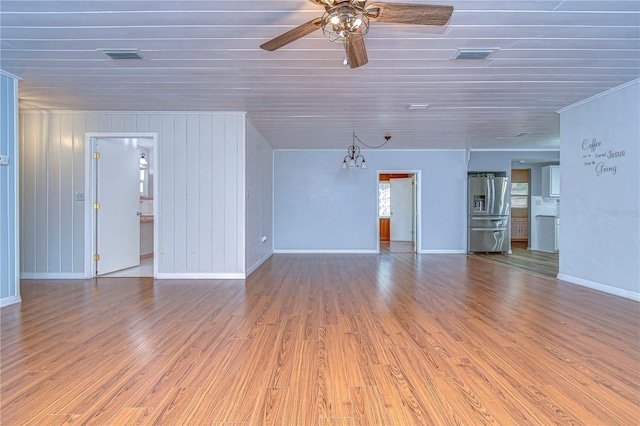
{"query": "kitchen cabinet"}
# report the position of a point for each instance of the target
(519, 228)
(551, 181)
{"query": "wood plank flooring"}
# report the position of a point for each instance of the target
(390, 339)
(532, 261)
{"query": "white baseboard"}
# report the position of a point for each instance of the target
(201, 276)
(10, 301)
(258, 263)
(53, 276)
(442, 251)
(325, 252)
(600, 287)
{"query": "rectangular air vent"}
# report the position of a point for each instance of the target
(473, 53)
(417, 106)
(123, 53)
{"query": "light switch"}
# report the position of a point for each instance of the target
(79, 196)
(4, 160)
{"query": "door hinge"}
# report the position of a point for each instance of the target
(96, 206)
(96, 155)
(96, 257)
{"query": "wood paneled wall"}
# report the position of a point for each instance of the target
(9, 279)
(259, 197)
(201, 185)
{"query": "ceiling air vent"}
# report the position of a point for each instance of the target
(473, 53)
(123, 53)
(417, 106)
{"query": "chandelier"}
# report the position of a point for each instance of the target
(353, 159)
(345, 22)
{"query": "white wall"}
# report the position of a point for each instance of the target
(259, 198)
(9, 218)
(319, 207)
(201, 185)
(600, 232)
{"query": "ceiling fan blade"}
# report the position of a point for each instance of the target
(401, 13)
(356, 52)
(293, 35)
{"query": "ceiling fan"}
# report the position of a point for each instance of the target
(347, 21)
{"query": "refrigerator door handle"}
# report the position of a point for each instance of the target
(489, 229)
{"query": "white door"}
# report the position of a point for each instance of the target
(401, 209)
(118, 195)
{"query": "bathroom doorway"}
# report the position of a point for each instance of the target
(121, 204)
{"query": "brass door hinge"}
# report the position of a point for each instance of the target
(96, 155)
(96, 206)
(96, 257)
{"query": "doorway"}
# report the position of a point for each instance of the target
(520, 199)
(121, 205)
(397, 212)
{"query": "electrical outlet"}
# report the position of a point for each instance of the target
(163, 250)
(4, 160)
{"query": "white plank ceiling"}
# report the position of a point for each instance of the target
(204, 55)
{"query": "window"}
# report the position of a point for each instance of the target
(384, 194)
(144, 182)
(519, 195)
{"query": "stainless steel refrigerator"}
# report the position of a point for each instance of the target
(488, 218)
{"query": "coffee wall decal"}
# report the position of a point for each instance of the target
(602, 160)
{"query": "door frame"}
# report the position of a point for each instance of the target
(89, 189)
(417, 218)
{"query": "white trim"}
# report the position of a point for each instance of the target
(12, 300)
(385, 150)
(89, 216)
(241, 175)
(16, 191)
(78, 111)
(442, 252)
(201, 276)
(53, 276)
(599, 95)
(15, 77)
(258, 264)
(323, 251)
(628, 294)
(513, 150)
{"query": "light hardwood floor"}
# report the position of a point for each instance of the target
(390, 339)
(532, 261)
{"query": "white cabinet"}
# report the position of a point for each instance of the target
(551, 181)
(519, 228)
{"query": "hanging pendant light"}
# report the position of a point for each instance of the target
(353, 159)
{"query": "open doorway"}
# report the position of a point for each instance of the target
(122, 205)
(520, 199)
(397, 212)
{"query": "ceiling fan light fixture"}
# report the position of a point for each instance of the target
(345, 22)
